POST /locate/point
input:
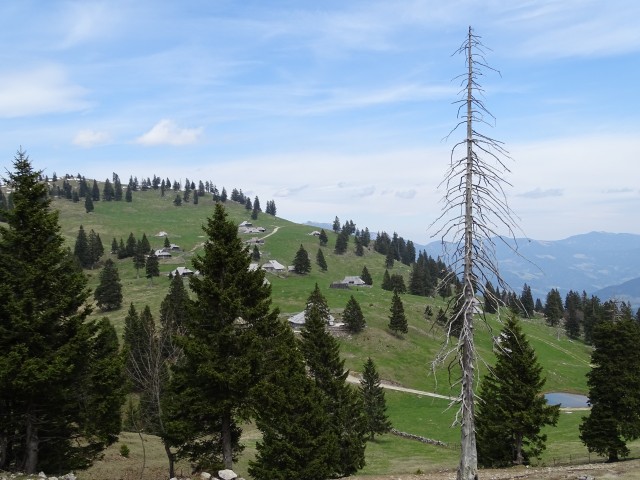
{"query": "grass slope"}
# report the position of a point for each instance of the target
(405, 360)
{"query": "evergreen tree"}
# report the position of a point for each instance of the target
(132, 245)
(114, 245)
(359, 250)
(389, 260)
(146, 246)
(539, 307)
(255, 254)
(226, 332)
(166, 243)
(397, 318)
(301, 263)
(128, 195)
(152, 267)
(81, 248)
(298, 440)
(51, 353)
(323, 238)
(397, 283)
(223, 195)
(353, 317)
(248, 205)
(574, 314)
(117, 188)
(614, 389)
(553, 310)
(490, 298)
(108, 293)
(375, 405)
(108, 192)
(342, 241)
(88, 204)
(320, 260)
(95, 192)
(178, 200)
(386, 281)
(527, 306)
(366, 237)
(96, 249)
(344, 406)
(366, 276)
(336, 225)
(513, 409)
(139, 259)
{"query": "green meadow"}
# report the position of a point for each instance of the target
(405, 360)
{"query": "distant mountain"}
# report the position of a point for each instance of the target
(627, 291)
(326, 226)
(590, 262)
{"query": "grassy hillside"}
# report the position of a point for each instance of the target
(404, 360)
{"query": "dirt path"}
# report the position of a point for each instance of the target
(269, 234)
(390, 386)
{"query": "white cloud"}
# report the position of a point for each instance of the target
(539, 193)
(406, 194)
(39, 91)
(91, 138)
(166, 132)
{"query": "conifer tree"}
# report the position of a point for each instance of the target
(375, 405)
(323, 238)
(553, 309)
(81, 248)
(139, 259)
(353, 317)
(255, 254)
(152, 267)
(344, 406)
(320, 260)
(108, 192)
(490, 298)
(117, 188)
(88, 204)
(96, 249)
(359, 250)
(301, 262)
(227, 330)
(336, 225)
(397, 318)
(131, 245)
(513, 410)
(114, 245)
(108, 293)
(342, 241)
(51, 353)
(146, 246)
(386, 281)
(95, 192)
(366, 276)
(527, 305)
(298, 440)
(614, 389)
(128, 195)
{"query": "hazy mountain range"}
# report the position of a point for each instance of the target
(600, 263)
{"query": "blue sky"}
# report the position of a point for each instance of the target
(332, 108)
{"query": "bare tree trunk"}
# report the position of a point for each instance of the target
(227, 455)
(519, 460)
(468, 468)
(31, 445)
(172, 460)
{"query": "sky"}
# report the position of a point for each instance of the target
(333, 108)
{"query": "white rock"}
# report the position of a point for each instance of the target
(227, 474)
(205, 476)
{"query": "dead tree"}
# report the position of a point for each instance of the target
(475, 215)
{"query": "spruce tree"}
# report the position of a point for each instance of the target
(375, 405)
(131, 245)
(128, 195)
(51, 354)
(139, 258)
(96, 249)
(366, 276)
(81, 248)
(386, 281)
(513, 410)
(553, 309)
(344, 406)
(152, 267)
(527, 306)
(353, 317)
(298, 440)
(95, 192)
(227, 330)
(301, 262)
(255, 254)
(614, 389)
(397, 318)
(320, 260)
(342, 241)
(359, 250)
(146, 246)
(323, 238)
(88, 204)
(108, 293)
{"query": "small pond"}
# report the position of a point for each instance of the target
(566, 400)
